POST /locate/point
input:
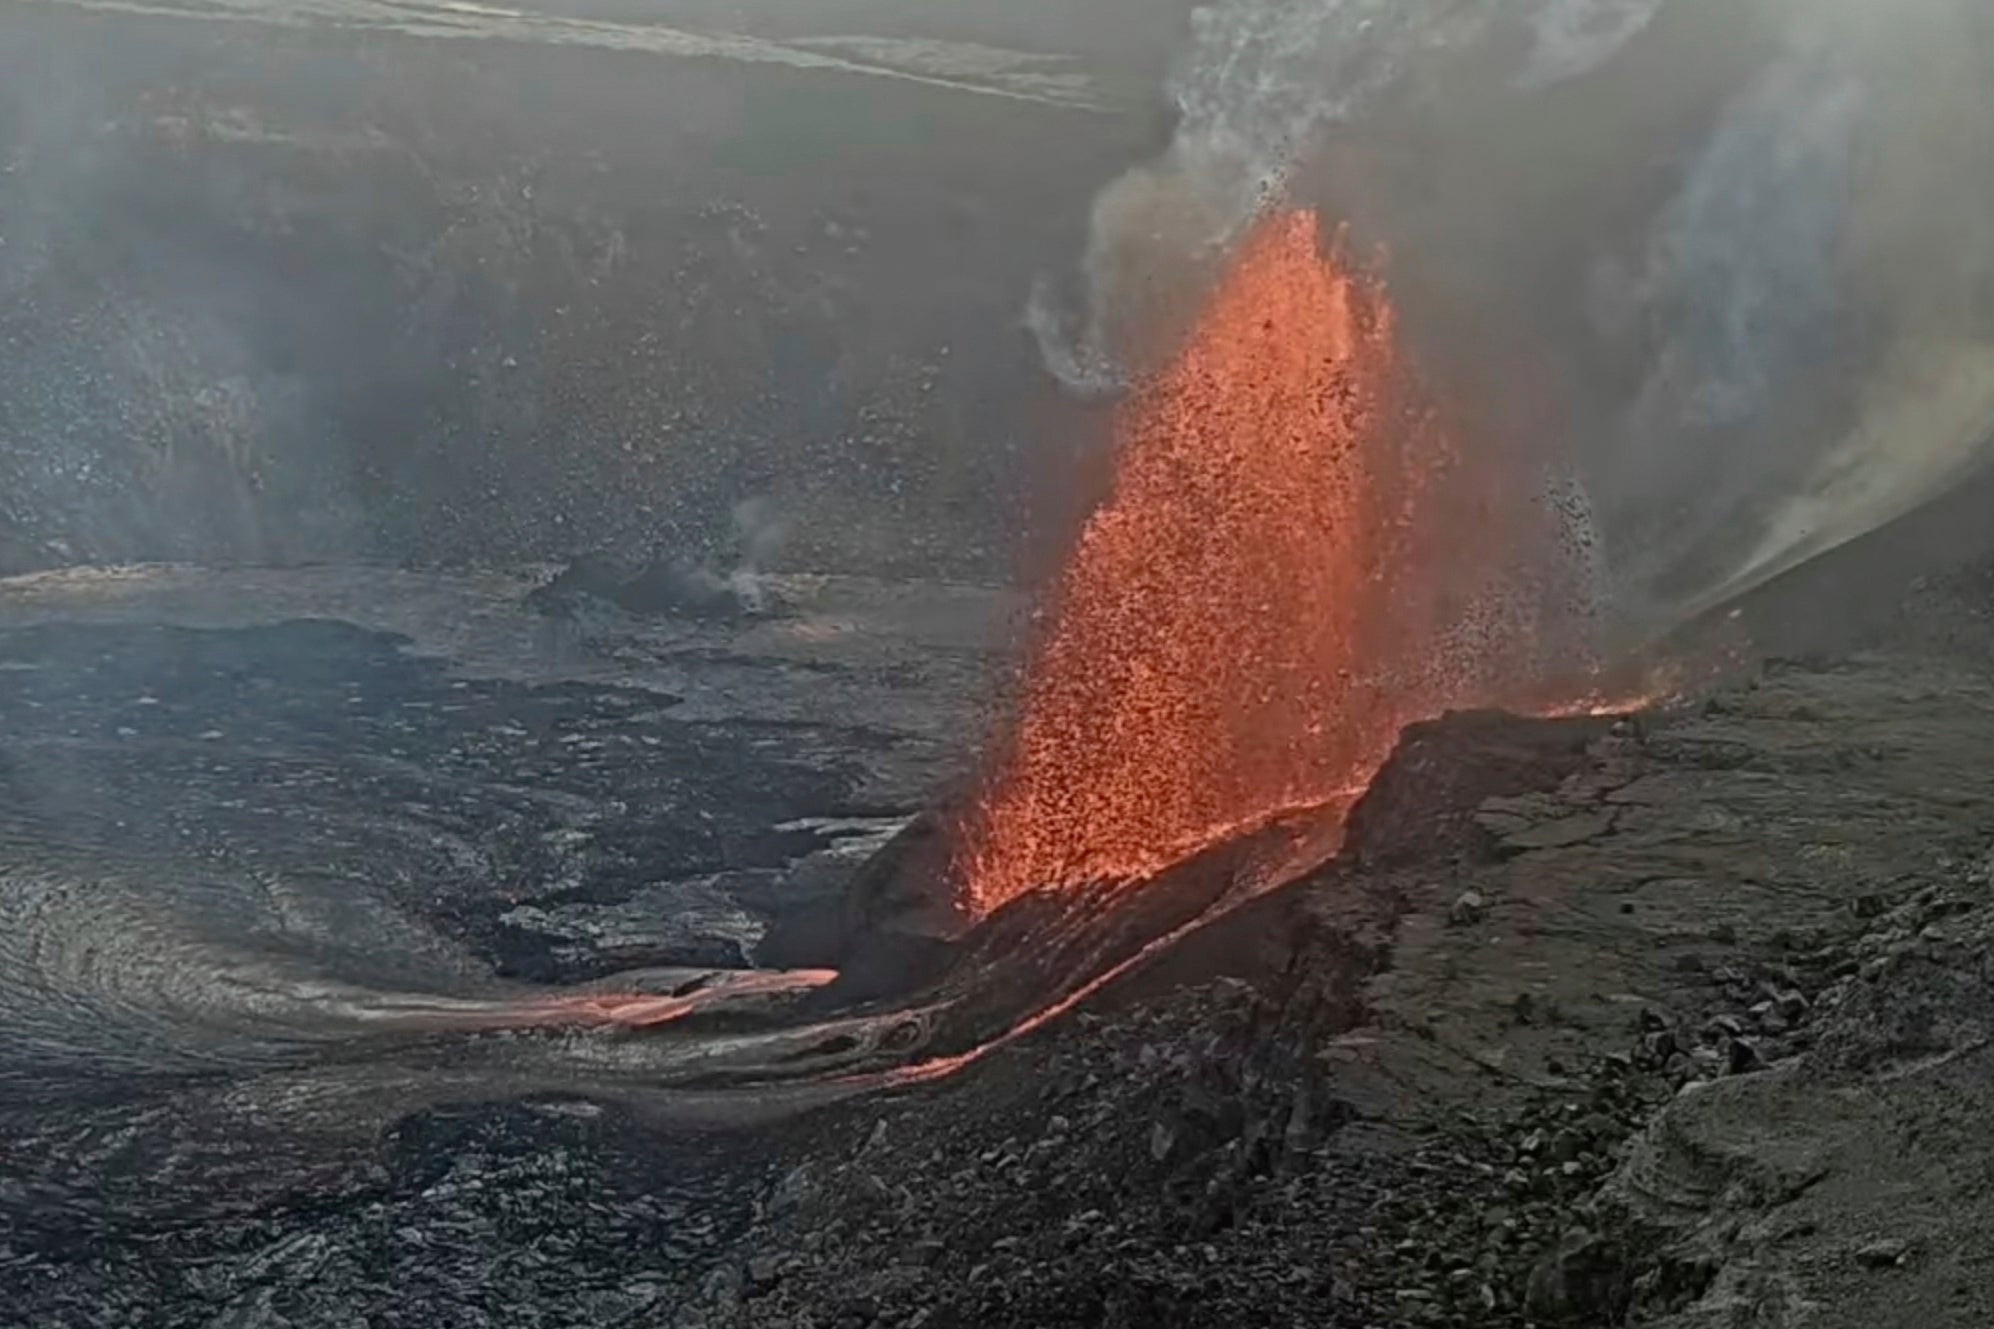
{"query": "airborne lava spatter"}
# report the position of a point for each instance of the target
(1258, 607)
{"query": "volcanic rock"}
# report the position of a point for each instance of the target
(1885, 1254)
(763, 1271)
(1321, 1157)
(1583, 1282)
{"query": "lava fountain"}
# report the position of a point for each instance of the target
(1293, 563)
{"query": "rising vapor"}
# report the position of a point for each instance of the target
(1734, 250)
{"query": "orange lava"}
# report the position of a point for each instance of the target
(1292, 564)
(642, 1010)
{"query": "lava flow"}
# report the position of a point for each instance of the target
(1292, 564)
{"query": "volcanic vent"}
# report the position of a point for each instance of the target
(1295, 561)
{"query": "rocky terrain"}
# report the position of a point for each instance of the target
(577, 789)
(1678, 1019)
(243, 807)
(1684, 1023)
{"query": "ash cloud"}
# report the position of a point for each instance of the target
(1723, 265)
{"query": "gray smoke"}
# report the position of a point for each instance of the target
(1732, 248)
(1575, 37)
(1737, 292)
(1876, 117)
(1261, 84)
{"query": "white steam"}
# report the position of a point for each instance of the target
(760, 532)
(1575, 37)
(1829, 361)
(1739, 296)
(1259, 86)
(1743, 246)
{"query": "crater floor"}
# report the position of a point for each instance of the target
(1682, 1020)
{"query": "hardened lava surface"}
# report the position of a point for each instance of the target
(1680, 1021)
(1548, 1044)
(287, 893)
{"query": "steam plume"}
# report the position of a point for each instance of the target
(760, 533)
(1731, 253)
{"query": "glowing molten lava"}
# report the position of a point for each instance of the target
(1287, 571)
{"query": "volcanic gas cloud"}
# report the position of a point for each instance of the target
(1295, 561)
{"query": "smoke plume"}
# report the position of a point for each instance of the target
(760, 532)
(1717, 270)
